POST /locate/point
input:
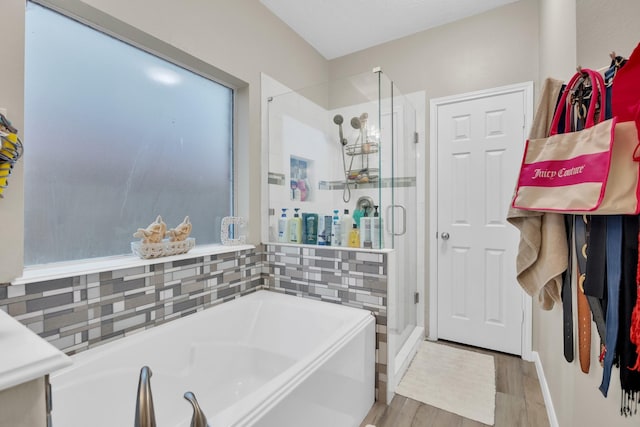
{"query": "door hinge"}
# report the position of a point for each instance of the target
(416, 297)
(416, 139)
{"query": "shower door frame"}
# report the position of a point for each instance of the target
(400, 358)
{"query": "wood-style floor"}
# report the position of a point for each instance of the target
(519, 401)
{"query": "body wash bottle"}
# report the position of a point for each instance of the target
(354, 236)
(346, 225)
(283, 235)
(295, 227)
(336, 232)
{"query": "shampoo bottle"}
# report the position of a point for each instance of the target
(336, 232)
(346, 225)
(365, 232)
(283, 235)
(324, 230)
(295, 228)
(354, 237)
(376, 230)
(309, 228)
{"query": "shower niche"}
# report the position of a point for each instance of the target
(301, 179)
(353, 143)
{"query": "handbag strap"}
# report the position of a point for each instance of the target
(599, 88)
(598, 85)
(598, 99)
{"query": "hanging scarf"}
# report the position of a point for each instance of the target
(627, 351)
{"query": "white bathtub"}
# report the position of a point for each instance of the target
(265, 359)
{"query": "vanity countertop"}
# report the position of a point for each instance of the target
(24, 356)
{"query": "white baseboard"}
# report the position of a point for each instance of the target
(548, 403)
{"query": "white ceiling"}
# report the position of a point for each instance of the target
(339, 27)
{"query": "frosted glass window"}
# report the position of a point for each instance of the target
(114, 137)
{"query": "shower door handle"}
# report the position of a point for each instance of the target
(404, 220)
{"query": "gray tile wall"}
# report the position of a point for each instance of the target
(80, 312)
(77, 313)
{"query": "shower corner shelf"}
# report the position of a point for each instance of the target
(362, 149)
(409, 181)
(339, 185)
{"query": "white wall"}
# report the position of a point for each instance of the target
(602, 29)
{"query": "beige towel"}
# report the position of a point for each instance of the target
(542, 252)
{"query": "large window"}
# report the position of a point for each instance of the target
(114, 137)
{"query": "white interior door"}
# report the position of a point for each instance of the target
(480, 139)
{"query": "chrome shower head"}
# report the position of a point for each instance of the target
(356, 123)
(338, 119)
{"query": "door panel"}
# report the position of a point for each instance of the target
(480, 143)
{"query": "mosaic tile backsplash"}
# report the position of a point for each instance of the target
(80, 312)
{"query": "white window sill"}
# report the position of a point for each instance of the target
(59, 270)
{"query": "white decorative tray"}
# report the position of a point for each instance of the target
(164, 248)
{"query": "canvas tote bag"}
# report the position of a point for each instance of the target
(591, 171)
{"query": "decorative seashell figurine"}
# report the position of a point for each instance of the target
(154, 233)
(181, 232)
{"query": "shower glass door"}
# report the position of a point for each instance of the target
(398, 167)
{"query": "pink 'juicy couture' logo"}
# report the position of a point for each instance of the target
(560, 173)
(588, 168)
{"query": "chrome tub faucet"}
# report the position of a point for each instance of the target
(145, 415)
(199, 419)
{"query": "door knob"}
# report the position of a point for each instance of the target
(445, 236)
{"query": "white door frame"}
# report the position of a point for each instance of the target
(527, 91)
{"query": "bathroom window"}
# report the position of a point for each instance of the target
(115, 136)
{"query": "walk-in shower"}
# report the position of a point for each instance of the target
(352, 145)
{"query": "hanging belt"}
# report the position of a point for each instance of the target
(584, 319)
(614, 267)
(595, 271)
(567, 311)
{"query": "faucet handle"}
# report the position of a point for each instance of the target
(199, 419)
(145, 415)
